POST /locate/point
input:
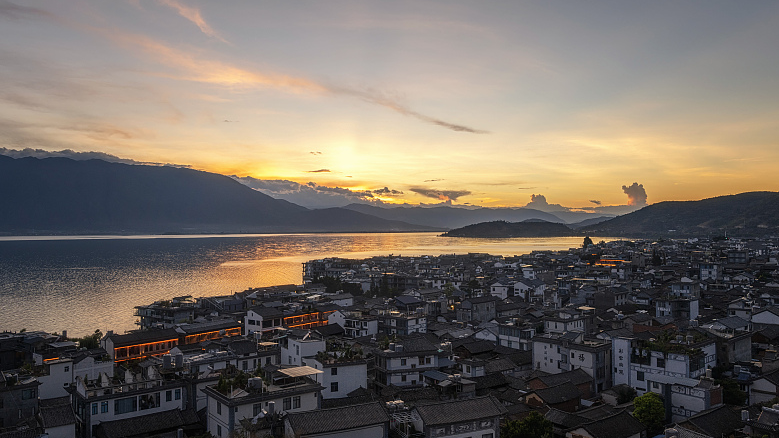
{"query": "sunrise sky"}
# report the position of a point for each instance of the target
(480, 103)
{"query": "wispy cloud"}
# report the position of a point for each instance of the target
(199, 69)
(193, 14)
(319, 171)
(16, 12)
(313, 195)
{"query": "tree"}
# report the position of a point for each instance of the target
(90, 341)
(649, 410)
(731, 393)
(532, 426)
(625, 394)
(587, 242)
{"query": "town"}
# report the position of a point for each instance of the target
(625, 339)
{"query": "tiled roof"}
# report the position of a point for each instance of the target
(720, 421)
(459, 411)
(147, 425)
(338, 419)
(558, 394)
(57, 412)
(621, 425)
(143, 337)
(577, 377)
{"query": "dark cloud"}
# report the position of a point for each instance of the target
(315, 153)
(79, 156)
(636, 194)
(319, 171)
(596, 202)
(539, 202)
(443, 195)
(526, 188)
(229, 121)
(433, 180)
(386, 191)
(313, 195)
(16, 12)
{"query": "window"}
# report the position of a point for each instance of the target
(245, 365)
(296, 402)
(168, 396)
(28, 394)
(403, 378)
(267, 360)
(218, 408)
(104, 407)
(334, 386)
(640, 376)
(125, 405)
(149, 401)
(256, 409)
(661, 362)
(94, 408)
(178, 394)
(67, 369)
(287, 403)
(333, 371)
(218, 430)
(655, 385)
(402, 362)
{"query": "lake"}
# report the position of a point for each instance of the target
(84, 283)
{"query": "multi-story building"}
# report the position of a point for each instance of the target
(402, 364)
(342, 374)
(564, 322)
(356, 326)
(166, 313)
(480, 309)
(289, 390)
(18, 399)
(401, 323)
(262, 319)
(671, 365)
(516, 336)
(555, 354)
(127, 396)
(296, 346)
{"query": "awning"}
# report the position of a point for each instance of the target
(300, 371)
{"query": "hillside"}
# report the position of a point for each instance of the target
(63, 196)
(752, 213)
(455, 217)
(502, 229)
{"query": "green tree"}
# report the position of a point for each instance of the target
(587, 242)
(532, 426)
(625, 394)
(731, 393)
(90, 341)
(649, 410)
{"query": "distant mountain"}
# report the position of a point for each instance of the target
(502, 229)
(592, 221)
(452, 217)
(60, 195)
(752, 213)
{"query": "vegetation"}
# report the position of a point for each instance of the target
(532, 426)
(90, 341)
(587, 242)
(503, 229)
(625, 394)
(649, 410)
(333, 285)
(731, 393)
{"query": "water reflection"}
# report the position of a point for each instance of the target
(80, 284)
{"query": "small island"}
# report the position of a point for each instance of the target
(503, 229)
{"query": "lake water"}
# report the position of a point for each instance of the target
(84, 283)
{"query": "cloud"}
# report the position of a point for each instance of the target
(313, 195)
(315, 153)
(386, 191)
(636, 194)
(443, 195)
(193, 14)
(539, 202)
(595, 202)
(319, 171)
(193, 68)
(78, 156)
(433, 180)
(17, 12)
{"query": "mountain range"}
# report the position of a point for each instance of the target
(64, 196)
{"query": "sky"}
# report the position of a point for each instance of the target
(586, 104)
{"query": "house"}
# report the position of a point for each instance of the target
(619, 425)
(479, 416)
(720, 422)
(557, 354)
(57, 418)
(368, 420)
(289, 390)
(342, 374)
(564, 396)
(402, 364)
(296, 346)
(766, 317)
(164, 423)
(479, 309)
(18, 399)
(261, 319)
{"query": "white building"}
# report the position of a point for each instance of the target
(262, 319)
(556, 354)
(339, 376)
(295, 348)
